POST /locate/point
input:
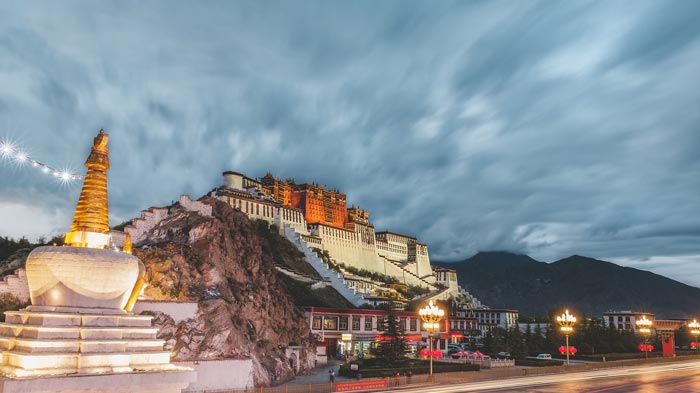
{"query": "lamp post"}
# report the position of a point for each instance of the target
(431, 316)
(644, 327)
(695, 330)
(567, 322)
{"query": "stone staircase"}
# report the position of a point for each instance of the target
(399, 265)
(336, 279)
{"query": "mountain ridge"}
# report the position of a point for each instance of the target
(590, 286)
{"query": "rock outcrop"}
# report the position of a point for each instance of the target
(245, 309)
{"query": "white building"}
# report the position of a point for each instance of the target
(489, 318)
(625, 320)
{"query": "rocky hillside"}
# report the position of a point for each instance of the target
(590, 286)
(245, 308)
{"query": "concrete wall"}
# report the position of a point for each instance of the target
(178, 311)
(16, 284)
(195, 206)
(148, 220)
(224, 374)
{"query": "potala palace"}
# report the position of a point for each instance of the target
(341, 242)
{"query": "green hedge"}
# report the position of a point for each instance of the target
(609, 357)
(373, 370)
(538, 362)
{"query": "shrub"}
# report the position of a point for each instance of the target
(538, 362)
(10, 302)
(376, 368)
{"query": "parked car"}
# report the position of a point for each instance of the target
(503, 355)
(544, 356)
(453, 349)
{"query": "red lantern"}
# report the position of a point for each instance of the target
(437, 353)
(562, 350)
(642, 347)
(693, 345)
(650, 348)
(424, 352)
(573, 350)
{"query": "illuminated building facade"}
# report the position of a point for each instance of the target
(323, 221)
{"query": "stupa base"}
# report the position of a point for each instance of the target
(36, 342)
(142, 382)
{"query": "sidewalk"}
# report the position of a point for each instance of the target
(319, 375)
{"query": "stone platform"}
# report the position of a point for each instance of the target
(138, 382)
(41, 341)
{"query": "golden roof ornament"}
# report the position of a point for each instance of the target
(90, 227)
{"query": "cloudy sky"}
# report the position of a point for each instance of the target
(547, 128)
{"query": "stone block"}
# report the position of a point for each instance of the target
(142, 382)
(44, 346)
(102, 346)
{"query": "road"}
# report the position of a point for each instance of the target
(673, 377)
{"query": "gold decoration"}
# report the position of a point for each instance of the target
(90, 226)
(127, 244)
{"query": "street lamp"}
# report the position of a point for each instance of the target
(567, 322)
(695, 330)
(431, 316)
(644, 327)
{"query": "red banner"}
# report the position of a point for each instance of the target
(361, 385)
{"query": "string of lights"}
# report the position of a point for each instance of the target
(9, 151)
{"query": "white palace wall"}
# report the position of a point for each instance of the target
(16, 284)
(220, 375)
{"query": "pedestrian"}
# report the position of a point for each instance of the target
(398, 379)
(332, 375)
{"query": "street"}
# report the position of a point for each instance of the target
(674, 377)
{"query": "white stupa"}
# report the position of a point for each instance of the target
(79, 334)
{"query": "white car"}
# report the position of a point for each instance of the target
(544, 356)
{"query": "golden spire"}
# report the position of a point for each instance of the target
(90, 226)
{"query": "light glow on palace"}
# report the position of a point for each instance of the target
(9, 150)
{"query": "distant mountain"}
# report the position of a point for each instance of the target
(589, 286)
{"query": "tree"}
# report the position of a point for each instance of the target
(538, 340)
(528, 338)
(553, 338)
(494, 341)
(515, 342)
(393, 347)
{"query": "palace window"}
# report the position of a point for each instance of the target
(317, 323)
(355, 323)
(368, 323)
(343, 325)
(414, 324)
(402, 324)
(331, 323)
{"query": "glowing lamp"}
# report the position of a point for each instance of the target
(566, 321)
(431, 316)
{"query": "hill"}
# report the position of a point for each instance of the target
(228, 264)
(589, 286)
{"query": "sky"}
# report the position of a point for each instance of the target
(548, 128)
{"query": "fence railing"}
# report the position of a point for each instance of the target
(459, 377)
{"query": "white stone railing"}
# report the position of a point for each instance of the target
(337, 280)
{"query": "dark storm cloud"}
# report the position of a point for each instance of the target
(547, 128)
